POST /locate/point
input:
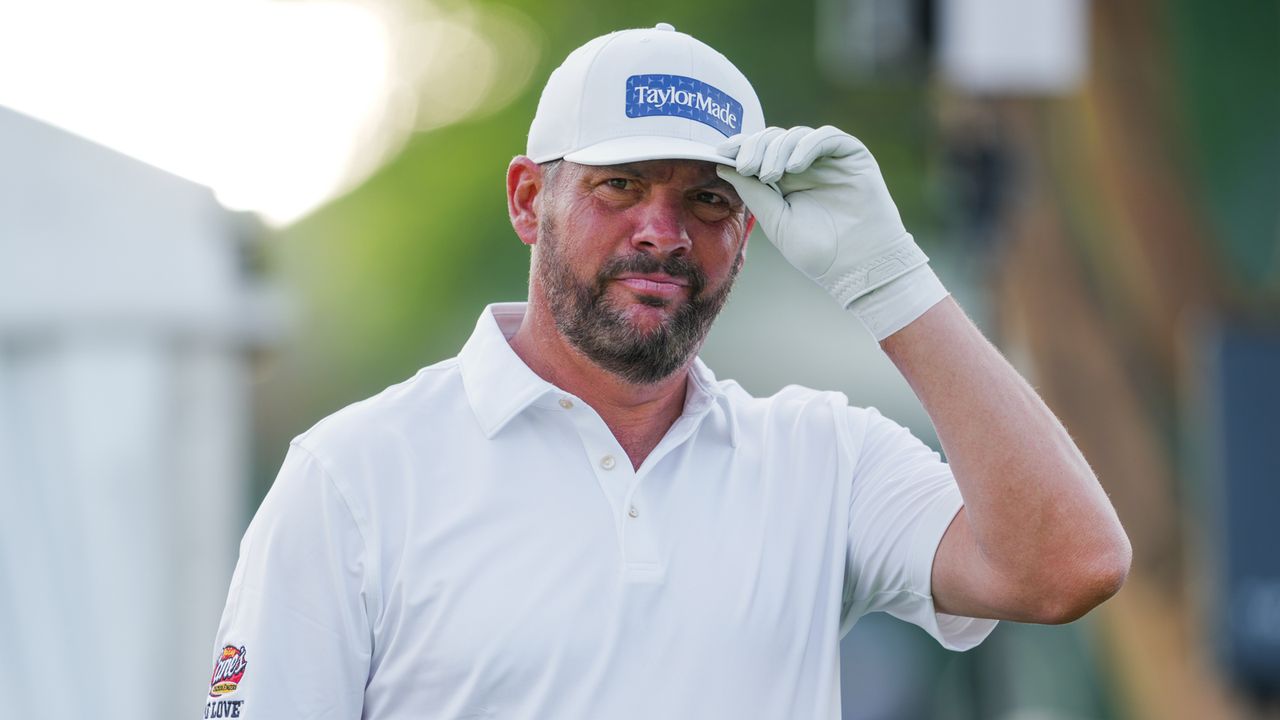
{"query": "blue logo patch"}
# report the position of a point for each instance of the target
(685, 97)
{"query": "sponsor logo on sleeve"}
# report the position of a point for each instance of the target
(228, 671)
(223, 708)
(686, 97)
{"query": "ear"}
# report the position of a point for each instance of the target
(524, 184)
(746, 234)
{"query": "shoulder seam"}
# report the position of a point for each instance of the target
(442, 366)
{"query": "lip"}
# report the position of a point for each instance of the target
(654, 284)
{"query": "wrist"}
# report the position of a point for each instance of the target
(895, 304)
(893, 261)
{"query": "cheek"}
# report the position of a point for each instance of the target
(592, 232)
(724, 249)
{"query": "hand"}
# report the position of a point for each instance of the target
(819, 197)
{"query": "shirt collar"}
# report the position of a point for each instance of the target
(703, 393)
(500, 386)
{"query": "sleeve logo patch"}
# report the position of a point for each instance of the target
(228, 671)
(685, 97)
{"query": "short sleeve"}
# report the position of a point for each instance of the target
(902, 500)
(294, 640)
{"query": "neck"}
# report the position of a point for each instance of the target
(637, 415)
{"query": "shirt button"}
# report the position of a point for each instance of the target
(607, 462)
(566, 403)
(633, 512)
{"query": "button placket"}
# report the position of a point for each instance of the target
(620, 482)
(604, 454)
(640, 546)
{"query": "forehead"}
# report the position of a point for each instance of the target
(698, 172)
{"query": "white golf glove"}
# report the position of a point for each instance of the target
(819, 197)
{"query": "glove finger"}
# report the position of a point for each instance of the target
(751, 154)
(729, 148)
(766, 203)
(826, 141)
(778, 154)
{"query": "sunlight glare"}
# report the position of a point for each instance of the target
(276, 106)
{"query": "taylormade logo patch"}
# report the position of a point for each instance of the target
(685, 97)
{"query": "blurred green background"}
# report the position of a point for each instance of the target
(1092, 234)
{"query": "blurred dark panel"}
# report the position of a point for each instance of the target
(1244, 426)
(868, 41)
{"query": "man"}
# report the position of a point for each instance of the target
(574, 519)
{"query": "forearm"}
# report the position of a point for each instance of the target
(1043, 535)
(1037, 539)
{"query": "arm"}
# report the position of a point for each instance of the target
(296, 621)
(1037, 539)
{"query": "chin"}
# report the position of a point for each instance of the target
(649, 314)
(648, 322)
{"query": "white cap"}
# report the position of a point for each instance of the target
(648, 94)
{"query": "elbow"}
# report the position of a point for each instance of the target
(1072, 594)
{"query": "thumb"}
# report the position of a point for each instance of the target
(765, 202)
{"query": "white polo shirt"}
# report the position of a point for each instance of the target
(473, 543)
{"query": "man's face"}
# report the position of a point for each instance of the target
(636, 260)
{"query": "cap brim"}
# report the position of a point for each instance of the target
(636, 149)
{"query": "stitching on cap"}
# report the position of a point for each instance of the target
(577, 131)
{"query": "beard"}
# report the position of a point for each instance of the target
(587, 318)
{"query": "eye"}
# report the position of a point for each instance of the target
(619, 183)
(710, 198)
(711, 206)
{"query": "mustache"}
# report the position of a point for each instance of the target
(673, 265)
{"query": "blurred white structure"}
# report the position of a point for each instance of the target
(1014, 47)
(276, 106)
(126, 316)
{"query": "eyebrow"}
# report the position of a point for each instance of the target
(637, 169)
(719, 183)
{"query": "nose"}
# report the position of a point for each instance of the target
(661, 227)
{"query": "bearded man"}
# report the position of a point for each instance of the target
(575, 519)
